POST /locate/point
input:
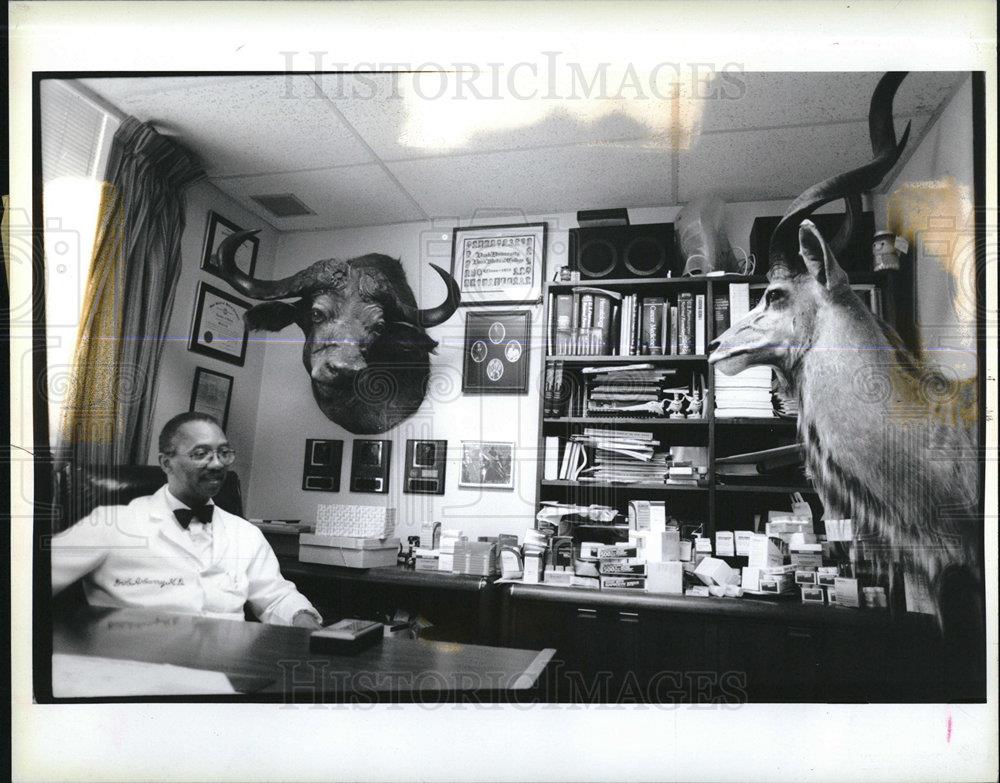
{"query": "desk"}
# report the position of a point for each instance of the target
(273, 663)
(463, 608)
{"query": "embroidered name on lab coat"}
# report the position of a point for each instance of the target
(136, 581)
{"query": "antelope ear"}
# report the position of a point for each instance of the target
(818, 257)
(270, 316)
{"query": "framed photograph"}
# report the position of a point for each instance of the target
(487, 465)
(321, 467)
(499, 265)
(496, 352)
(218, 329)
(869, 293)
(211, 393)
(217, 230)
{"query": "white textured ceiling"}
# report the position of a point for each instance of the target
(355, 148)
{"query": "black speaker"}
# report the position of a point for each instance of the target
(856, 258)
(605, 252)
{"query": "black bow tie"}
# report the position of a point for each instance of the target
(202, 513)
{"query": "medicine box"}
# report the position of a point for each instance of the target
(847, 592)
(805, 578)
(743, 538)
(712, 571)
(766, 551)
(813, 595)
(725, 544)
(667, 578)
(347, 552)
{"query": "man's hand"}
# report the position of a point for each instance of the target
(306, 619)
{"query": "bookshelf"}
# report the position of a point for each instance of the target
(715, 504)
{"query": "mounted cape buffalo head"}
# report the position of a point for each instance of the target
(365, 349)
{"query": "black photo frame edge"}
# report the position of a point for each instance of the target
(204, 350)
(541, 271)
(198, 372)
(337, 457)
(213, 220)
(468, 388)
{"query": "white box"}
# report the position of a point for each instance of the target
(847, 591)
(766, 551)
(750, 579)
(713, 571)
(347, 552)
(534, 568)
(685, 548)
(665, 577)
(663, 547)
(743, 539)
(725, 544)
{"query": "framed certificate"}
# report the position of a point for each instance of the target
(211, 393)
(218, 229)
(499, 264)
(218, 329)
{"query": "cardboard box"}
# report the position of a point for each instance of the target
(725, 545)
(839, 530)
(813, 595)
(703, 544)
(743, 539)
(712, 571)
(534, 568)
(750, 578)
(348, 552)
(826, 580)
(766, 551)
(663, 547)
(618, 550)
(699, 591)
(806, 555)
(623, 582)
(666, 578)
(686, 549)
(806, 578)
(776, 583)
(847, 592)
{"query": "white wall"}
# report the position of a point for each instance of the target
(178, 364)
(288, 415)
(931, 203)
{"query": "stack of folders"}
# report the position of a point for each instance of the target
(622, 456)
(478, 558)
(635, 390)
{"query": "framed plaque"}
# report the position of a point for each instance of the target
(218, 329)
(496, 352)
(217, 230)
(500, 265)
(211, 393)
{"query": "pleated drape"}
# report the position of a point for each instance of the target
(129, 297)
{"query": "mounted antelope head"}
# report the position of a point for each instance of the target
(887, 443)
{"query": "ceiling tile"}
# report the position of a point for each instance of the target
(772, 164)
(395, 121)
(241, 125)
(765, 100)
(568, 178)
(343, 197)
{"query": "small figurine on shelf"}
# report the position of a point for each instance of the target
(694, 404)
(676, 407)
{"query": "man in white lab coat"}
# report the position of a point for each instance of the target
(175, 550)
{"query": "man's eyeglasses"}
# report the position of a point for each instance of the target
(203, 455)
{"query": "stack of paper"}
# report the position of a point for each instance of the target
(747, 393)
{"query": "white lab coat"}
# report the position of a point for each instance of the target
(139, 556)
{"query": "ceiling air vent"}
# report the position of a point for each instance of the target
(283, 205)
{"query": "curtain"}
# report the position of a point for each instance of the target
(129, 297)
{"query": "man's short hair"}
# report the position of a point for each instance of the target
(169, 431)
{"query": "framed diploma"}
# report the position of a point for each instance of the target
(218, 329)
(499, 264)
(211, 393)
(217, 230)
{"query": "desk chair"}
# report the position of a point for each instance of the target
(79, 490)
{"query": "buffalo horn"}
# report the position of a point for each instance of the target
(433, 316)
(295, 285)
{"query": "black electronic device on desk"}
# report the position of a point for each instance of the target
(346, 637)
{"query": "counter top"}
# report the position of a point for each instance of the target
(779, 609)
(386, 575)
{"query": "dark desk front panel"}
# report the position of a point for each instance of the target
(618, 647)
(461, 608)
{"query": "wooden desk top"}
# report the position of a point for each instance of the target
(274, 662)
(389, 575)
